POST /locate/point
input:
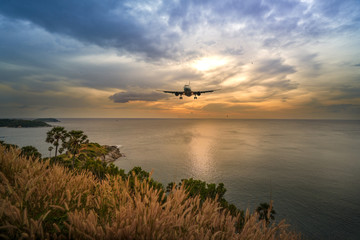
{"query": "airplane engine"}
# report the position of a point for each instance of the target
(198, 94)
(176, 94)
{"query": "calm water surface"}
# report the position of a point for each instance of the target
(310, 168)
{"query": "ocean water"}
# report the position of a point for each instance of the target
(309, 168)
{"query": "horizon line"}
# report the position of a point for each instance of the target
(194, 118)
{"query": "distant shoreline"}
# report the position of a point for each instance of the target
(46, 120)
(21, 123)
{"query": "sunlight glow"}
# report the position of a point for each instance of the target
(234, 81)
(209, 63)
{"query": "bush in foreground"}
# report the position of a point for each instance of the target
(52, 202)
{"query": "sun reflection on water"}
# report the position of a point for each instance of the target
(201, 151)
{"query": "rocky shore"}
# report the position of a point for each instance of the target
(112, 155)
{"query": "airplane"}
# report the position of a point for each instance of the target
(188, 92)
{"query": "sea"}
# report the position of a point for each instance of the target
(310, 169)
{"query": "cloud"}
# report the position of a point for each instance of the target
(338, 108)
(271, 74)
(124, 97)
(273, 67)
(156, 29)
(105, 23)
(346, 93)
(53, 51)
(271, 42)
(234, 51)
(223, 107)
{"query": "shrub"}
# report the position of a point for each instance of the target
(40, 200)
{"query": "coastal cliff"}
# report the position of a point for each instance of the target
(113, 153)
(62, 203)
(103, 153)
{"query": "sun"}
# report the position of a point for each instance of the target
(209, 63)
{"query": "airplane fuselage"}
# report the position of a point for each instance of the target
(187, 91)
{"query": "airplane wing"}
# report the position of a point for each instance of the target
(175, 92)
(206, 91)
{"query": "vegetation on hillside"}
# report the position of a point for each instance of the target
(16, 123)
(82, 155)
(40, 200)
(47, 120)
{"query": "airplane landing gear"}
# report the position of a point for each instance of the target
(195, 97)
(180, 97)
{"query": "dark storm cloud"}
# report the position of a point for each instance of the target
(124, 97)
(105, 23)
(149, 28)
(32, 58)
(23, 44)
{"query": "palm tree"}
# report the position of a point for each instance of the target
(50, 149)
(266, 212)
(76, 138)
(54, 136)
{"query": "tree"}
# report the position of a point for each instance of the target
(50, 149)
(73, 144)
(54, 136)
(266, 212)
(30, 152)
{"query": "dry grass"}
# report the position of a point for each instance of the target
(39, 201)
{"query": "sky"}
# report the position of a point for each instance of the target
(282, 59)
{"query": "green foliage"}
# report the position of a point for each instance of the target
(101, 169)
(89, 157)
(266, 212)
(56, 136)
(30, 152)
(143, 175)
(205, 190)
(93, 150)
(73, 144)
